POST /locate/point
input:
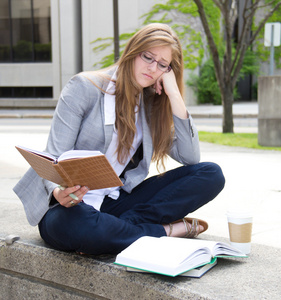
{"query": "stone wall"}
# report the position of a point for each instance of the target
(269, 118)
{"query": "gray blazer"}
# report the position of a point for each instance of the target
(78, 123)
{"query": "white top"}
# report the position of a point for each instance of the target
(95, 197)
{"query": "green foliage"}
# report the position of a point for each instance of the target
(104, 43)
(191, 39)
(43, 52)
(4, 53)
(213, 15)
(246, 140)
(250, 64)
(193, 51)
(22, 52)
(182, 6)
(205, 85)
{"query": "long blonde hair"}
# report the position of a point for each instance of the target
(158, 108)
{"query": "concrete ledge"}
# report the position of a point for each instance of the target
(27, 116)
(31, 113)
(35, 108)
(48, 114)
(42, 115)
(219, 116)
(34, 271)
(16, 103)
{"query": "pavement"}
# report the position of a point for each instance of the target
(252, 182)
(240, 110)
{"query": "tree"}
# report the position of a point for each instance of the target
(227, 71)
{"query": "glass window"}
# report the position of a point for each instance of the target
(21, 30)
(26, 92)
(5, 30)
(42, 30)
(26, 28)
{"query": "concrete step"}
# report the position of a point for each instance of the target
(23, 103)
(33, 271)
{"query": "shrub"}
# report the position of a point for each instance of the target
(205, 85)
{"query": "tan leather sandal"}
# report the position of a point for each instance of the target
(191, 232)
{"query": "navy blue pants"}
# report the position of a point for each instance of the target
(158, 200)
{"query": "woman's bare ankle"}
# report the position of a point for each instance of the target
(179, 230)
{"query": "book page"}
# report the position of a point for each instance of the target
(166, 255)
(40, 153)
(217, 248)
(168, 249)
(223, 249)
(78, 154)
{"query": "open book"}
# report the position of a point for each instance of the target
(74, 167)
(173, 256)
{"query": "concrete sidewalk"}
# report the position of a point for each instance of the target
(252, 182)
(240, 110)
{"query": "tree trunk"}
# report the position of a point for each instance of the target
(227, 101)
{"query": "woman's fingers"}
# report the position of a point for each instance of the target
(166, 81)
(158, 85)
(71, 196)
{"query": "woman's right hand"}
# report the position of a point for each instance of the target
(169, 83)
(64, 198)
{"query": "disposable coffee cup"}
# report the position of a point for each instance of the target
(240, 230)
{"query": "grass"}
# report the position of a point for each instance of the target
(246, 140)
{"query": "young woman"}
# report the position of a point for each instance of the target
(134, 113)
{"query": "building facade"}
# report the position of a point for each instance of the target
(43, 43)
